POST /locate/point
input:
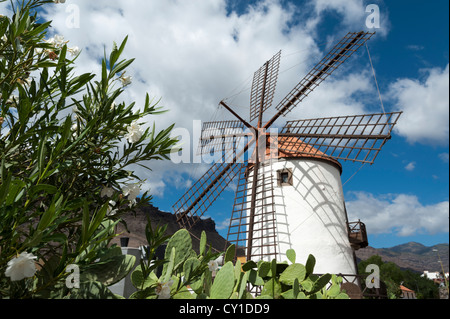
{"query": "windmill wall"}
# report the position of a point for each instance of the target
(309, 213)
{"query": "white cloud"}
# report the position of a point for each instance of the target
(337, 97)
(194, 53)
(400, 214)
(425, 105)
(444, 157)
(189, 53)
(411, 166)
(223, 225)
(353, 14)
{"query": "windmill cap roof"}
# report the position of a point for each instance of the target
(292, 147)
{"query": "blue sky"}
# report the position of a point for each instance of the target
(413, 169)
(195, 53)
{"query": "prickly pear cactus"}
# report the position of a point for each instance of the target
(223, 285)
(182, 243)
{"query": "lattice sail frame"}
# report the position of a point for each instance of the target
(263, 229)
(338, 55)
(356, 138)
(221, 137)
(201, 195)
(263, 87)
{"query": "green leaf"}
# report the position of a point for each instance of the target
(24, 107)
(50, 214)
(272, 288)
(243, 284)
(189, 266)
(121, 66)
(289, 294)
(92, 290)
(296, 288)
(16, 191)
(321, 283)
(62, 65)
(65, 134)
(138, 280)
(310, 264)
(342, 296)
(104, 76)
(263, 269)
(85, 223)
(183, 293)
(230, 253)
(224, 281)
(110, 271)
(293, 272)
(333, 291)
(307, 285)
(249, 265)
(97, 220)
(182, 241)
(237, 270)
(116, 53)
(23, 23)
(254, 278)
(4, 188)
(167, 272)
(202, 243)
(48, 189)
(41, 154)
(301, 295)
(290, 254)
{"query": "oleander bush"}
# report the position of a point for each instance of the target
(67, 146)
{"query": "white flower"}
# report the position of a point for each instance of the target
(57, 41)
(13, 99)
(213, 265)
(107, 191)
(132, 191)
(163, 290)
(126, 80)
(74, 129)
(74, 51)
(21, 267)
(134, 132)
(25, 82)
(4, 38)
(111, 211)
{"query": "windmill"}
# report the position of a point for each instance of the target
(289, 193)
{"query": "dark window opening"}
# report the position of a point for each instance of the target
(285, 177)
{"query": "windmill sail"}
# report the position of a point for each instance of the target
(357, 138)
(221, 137)
(196, 201)
(338, 55)
(263, 87)
(253, 223)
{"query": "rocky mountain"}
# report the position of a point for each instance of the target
(137, 222)
(412, 255)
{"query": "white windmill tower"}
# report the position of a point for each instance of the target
(289, 192)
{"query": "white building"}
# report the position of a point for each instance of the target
(306, 211)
